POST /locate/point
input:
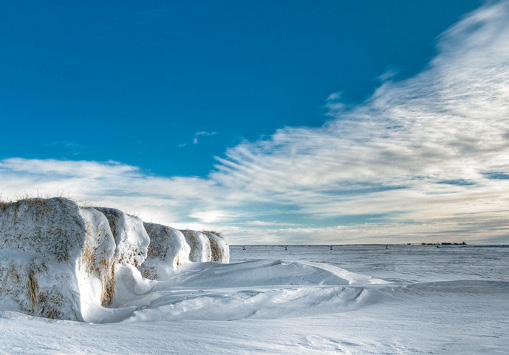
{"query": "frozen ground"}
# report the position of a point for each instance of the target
(352, 299)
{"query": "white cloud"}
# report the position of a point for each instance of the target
(195, 139)
(387, 75)
(418, 153)
(211, 216)
(267, 224)
(204, 133)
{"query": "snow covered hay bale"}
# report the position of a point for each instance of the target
(219, 249)
(168, 249)
(199, 244)
(50, 251)
(96, 267)
(207, 246)
(131, 238)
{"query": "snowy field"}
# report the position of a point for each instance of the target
(309, 300)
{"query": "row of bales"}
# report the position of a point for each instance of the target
(55, 256)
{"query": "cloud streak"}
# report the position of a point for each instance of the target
(196, 135)
(428, 155)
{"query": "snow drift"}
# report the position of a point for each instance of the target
(59, 260)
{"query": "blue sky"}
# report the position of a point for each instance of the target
(135, 81)
(274, 121)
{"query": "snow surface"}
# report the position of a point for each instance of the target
(304, 300)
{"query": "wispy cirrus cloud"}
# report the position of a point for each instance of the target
(426, 156)
(205, 133)
(196, 136)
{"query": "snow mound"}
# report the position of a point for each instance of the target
(167, 250)
(264, 289)
(256, 273)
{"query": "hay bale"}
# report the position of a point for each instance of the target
(200, 246)
(167, 250)
(50, 249)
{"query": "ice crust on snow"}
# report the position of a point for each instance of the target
(58, 260)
